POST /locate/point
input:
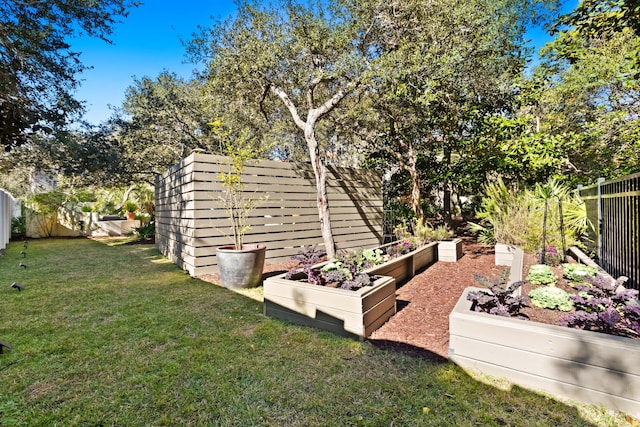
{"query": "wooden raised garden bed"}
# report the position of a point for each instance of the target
(345, 312)
(576, 364)
(404, 267)
(354, 313)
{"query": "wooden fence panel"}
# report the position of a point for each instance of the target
(614, 209)
(191, 222)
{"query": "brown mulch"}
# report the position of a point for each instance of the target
(421, 325)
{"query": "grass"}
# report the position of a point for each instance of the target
(112, 334)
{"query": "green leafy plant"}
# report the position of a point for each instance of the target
(373, 256)
(551, 297)
(235, 200)
(424, 233)
(577, 272)
(515, 217)
(503, 211)
(147, 230)
(18, 226)
(129, 206)
(541, 274)
(44, 209)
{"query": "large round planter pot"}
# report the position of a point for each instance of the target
(240, 269)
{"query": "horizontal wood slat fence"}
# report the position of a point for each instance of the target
(191, 221)
(614, 209)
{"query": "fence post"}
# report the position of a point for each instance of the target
(600, 219)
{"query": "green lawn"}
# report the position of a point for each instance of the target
(111, 334)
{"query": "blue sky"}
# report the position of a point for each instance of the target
(148, 42)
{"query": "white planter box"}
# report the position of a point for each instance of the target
(581, 365)
(504, 254)
(351, 313)
(450, 250)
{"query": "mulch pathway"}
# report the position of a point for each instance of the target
(421, 325)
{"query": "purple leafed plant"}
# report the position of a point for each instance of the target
(551, 256)
(307, 259)
(400, 249)
(347, 276)
(603, 306)
(500, 300)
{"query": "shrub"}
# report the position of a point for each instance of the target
(424, 233)
(18, 226)
(146, 230)
(500, 300)
(541, 274)
(577, 272)
(551, 297)
(603, 306)
(515, 217)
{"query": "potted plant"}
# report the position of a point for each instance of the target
(130, 209)
(240, 265)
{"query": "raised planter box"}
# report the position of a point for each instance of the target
(450, 250)
(350, 313)
(404, 267)
(581, 365)
(504, 254)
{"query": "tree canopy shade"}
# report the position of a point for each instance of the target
(38, 67)
(163, 120)
(579, 110)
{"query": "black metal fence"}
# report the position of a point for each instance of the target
(614, 209)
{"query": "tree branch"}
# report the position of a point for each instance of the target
(289, 104)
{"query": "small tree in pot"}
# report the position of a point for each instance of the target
(240, 265)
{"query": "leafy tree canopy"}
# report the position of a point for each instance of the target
(38, 66)
(595, 18)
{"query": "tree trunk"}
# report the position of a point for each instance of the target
(322, 199)
(446, 191)
(446, 202)
(415, 185)
(319, 168)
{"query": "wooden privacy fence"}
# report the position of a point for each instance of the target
(191, 221)
(614, 209)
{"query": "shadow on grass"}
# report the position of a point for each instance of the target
(407, 350)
